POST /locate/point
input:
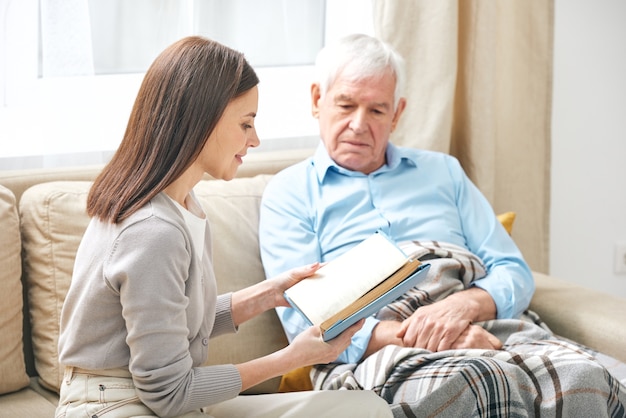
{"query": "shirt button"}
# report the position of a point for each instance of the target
(205, 341)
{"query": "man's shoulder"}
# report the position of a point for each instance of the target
(295, 171)
(418, 155)
(289, 180)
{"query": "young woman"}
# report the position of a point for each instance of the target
(142, 304)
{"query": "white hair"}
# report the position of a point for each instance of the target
(356, 57)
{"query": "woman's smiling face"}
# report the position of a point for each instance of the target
(233, 135)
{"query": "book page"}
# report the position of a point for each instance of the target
(346, 278)
(409, 267)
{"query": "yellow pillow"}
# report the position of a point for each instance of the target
(298, 379)
(507, 219)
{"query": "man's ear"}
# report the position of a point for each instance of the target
(315, 98)
(399, 110)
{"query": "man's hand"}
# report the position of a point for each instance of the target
(476, 336)
(448, 323)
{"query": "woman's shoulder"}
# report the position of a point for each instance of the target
(158, 219)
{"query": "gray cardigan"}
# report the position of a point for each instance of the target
(141, 298)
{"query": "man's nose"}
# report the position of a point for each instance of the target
(358, 121)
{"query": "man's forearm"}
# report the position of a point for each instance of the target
(478, 304)
(383, 334)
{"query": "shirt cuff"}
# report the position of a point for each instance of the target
(355, 351)
(224, 323)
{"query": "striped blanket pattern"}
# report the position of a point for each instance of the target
(536, 374)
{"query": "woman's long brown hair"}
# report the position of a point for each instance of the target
(182, 97)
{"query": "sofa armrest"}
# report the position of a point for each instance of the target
(587, 316)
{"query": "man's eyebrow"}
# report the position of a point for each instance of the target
(384, 105)
(344, 97)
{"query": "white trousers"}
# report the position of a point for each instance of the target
(111, 394)
(314, 404)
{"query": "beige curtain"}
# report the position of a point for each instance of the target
(480, 87)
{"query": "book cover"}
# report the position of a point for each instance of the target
(355, 285)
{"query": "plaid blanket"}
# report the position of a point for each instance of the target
(535, 374)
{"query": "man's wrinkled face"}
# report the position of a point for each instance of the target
(356, 118)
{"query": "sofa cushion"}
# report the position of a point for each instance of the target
(12, 366)
(576, 312)
(53, 222)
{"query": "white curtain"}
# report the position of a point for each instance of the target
(480, 88)
(66, 38)
(127, 35)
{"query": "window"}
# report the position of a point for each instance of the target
(128, 34)
(63, 109)
(87, 37)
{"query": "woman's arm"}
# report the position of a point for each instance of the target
(268, 294)
(306, 349)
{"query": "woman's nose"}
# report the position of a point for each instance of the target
(253, 139)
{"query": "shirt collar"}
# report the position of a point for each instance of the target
(395, 156)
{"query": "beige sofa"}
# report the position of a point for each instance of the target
(42, 220)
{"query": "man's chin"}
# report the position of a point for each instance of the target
(353, 162)
(357, 161)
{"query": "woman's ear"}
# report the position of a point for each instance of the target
(315, 98)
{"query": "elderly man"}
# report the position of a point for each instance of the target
(461, 343)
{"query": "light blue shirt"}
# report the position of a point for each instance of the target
(316, 210)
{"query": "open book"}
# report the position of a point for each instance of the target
(355, 285)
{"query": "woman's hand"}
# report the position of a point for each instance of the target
(310, 348)
(267, 294)
(306, 349)
(287, 279)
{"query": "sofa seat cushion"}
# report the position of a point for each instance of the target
(27, 403)
(12, 365)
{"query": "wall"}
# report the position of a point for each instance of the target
(588, 213)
